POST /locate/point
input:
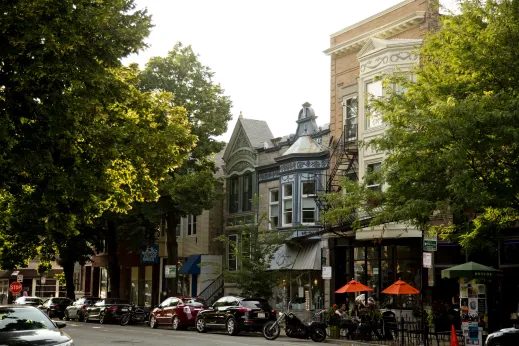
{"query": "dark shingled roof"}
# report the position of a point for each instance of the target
(257, 131)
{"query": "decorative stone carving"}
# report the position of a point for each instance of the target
(403, 56)
(287, 178)
(240, 166)
(371, 64)
(241, 141)
(304, 165)
(268, 176)
(287, 167)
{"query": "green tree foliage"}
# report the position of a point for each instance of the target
(193, 187)
(253, 251)
(452, 138)
(78, 138)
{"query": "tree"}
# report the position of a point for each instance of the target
(192, 188)
(451, 138)
(253, 252)
(77, 137)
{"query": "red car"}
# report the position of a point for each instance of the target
(178, 312)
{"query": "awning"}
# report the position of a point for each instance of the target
(391, 231)
(297, 257)
(191, 265)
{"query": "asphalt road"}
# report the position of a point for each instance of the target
(94, 334)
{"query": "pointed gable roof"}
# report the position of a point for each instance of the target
(254, 132)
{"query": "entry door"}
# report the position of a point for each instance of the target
(194, 285)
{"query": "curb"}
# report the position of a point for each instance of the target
(349, 342)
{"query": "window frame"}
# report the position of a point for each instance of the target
(191, 225)
(234, 197)
(309, 197)
(350, 122)
(179, 227)
(271, 204)
(370, 121)
(374, 186)
(286, 198)
(247, 189)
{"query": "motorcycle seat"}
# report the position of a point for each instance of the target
(313, 323)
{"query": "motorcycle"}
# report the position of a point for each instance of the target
(295, 328)
(133, 315)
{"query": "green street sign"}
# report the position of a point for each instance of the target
(430, 241)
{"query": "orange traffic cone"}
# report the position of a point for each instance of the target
(454, 337)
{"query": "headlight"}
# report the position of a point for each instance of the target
(280, 313)
(68, 343)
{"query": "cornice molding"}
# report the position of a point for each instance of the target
(385, 31)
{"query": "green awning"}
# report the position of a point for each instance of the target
(471, 270)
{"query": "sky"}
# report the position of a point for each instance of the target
(267, 55)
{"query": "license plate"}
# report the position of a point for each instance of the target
(261, 315)
(124, 310)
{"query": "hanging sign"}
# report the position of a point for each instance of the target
(430, 241)
(150, 255)
(170, 271)
(327, 273)
(427, 260)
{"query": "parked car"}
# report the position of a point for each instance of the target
(503, 337)
(32, 301)
(107, 310)
(236, 314)
(55, 307)
(27, 325)
(177, 312)
(76, 311)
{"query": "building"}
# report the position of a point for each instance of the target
(381, 44)
(286, 174)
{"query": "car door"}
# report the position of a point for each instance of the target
(169, 310)
(210, 315)
(159, 315)
(72, 310)
(43, 307)
(94, 310)
(221, 314)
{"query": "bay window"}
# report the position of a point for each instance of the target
(308, 202)
(287, 204)
(350, 109)
(374, 118)
(274, 208)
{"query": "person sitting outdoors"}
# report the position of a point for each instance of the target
(342, 312)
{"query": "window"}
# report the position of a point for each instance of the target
(350, 109)
(287, 204)
(247, 192)
(232, 263)
(372, 184)
(179, 228)
(374, 90)
(245, 245)
(308, 202)
(234, 193)
(274, 208)
(191, 225)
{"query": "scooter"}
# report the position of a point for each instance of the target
(133, 315)
(295, 328)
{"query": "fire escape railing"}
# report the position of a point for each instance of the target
(211, 292)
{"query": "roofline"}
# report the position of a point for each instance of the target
(369, 19)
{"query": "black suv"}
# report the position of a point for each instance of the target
(236, 314)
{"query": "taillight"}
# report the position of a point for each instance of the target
(112, 308)
(83, 307)
(244, 310)
(56, 306)
(274, 311)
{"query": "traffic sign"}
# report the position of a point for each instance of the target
(19, 278)
(430, 241)
(15, 287)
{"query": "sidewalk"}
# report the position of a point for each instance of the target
(348, 342)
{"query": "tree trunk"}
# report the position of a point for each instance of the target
(113, 260)
(172, 247)
(68, 270)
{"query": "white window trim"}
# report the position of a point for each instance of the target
(271, 203)
(345, 112)
(287, 198)
(366, 109)
(373, 186)
(190, 223)
(181, 225)
(303, 196)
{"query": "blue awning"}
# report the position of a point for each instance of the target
(191, 265)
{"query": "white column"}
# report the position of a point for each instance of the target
(57, 289)
(33, 289)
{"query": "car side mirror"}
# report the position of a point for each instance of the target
(60, 324)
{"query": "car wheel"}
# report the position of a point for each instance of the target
(175, 324)
(200, 325)
(232, 328)
(102, 318)
(153, 322)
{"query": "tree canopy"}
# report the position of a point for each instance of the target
(452, 137)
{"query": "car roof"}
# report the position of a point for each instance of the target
(18, 306)
(29, 297)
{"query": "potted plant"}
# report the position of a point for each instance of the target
(333, 320)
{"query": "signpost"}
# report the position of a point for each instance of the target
(15, 288)
(430, 241)
(19, 278)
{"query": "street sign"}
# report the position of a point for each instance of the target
(427, 260)
(430, 241)
(19, 278)
(15, 287)
(170, 271)
(327, 273)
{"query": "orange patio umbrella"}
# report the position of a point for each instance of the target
(401, 287)
(353, 286)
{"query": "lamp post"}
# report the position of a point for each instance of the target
(43, 280)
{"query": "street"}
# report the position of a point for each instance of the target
(93, 334)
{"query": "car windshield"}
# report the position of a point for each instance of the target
(90, 301)
(195, 302)
(60, 300)
(256, 304)
(33, 300)
(12, 319)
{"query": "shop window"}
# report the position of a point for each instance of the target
(134, 294)
(234, 194)
(373, 117)
(191, 225)
(274, 208)
(247, 192)
(148, 284)
(287, 204)
(371, 182)
(232, 262)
